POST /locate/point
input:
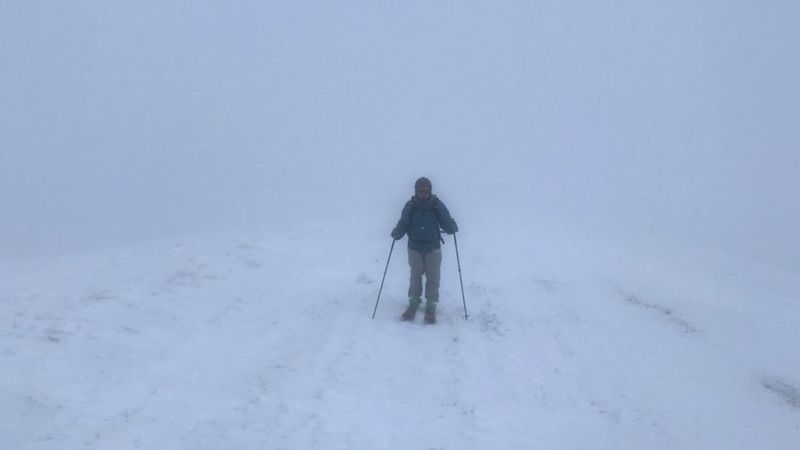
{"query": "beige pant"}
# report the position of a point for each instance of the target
(430, 265)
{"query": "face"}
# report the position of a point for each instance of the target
(423, 192)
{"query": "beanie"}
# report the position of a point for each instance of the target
(422, 181)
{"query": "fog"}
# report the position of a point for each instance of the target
(127, 121)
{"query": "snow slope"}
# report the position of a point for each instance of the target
(124, 122)
(264, 340)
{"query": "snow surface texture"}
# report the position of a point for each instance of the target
(265, 341)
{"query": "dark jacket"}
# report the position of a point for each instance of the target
(421, 220)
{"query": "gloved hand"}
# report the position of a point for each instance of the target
(396, 235)
(453, 228)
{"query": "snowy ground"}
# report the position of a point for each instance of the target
(254, 341)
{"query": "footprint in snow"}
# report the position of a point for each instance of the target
(550, 285)
(363, 278)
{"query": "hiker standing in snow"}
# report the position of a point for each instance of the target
(422, 218)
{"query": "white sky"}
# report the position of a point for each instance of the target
(127, 120)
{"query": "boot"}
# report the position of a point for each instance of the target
(411, 310)
(430, 312)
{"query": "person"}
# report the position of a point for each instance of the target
(422, 219)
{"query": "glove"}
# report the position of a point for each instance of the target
(453, 229)
(396, 235)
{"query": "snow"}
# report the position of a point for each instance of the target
(197, 200)
(264, 340)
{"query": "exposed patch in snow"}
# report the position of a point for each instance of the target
(667, 313)
(785, 390)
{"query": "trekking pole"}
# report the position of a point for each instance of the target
(464, 299)
(384, 279)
